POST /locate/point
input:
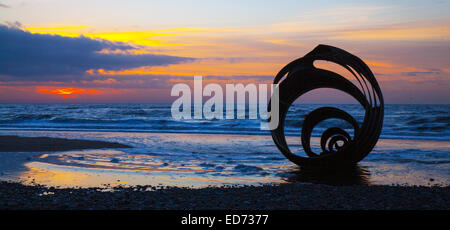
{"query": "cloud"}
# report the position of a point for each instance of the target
(23, 54)
(417, 73)
(4, 6)
(408, 31)
(14, 24)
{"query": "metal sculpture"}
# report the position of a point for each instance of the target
(338, 147)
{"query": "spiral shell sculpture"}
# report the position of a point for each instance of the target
(338, 147)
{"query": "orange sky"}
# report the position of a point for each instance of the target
(407, 51)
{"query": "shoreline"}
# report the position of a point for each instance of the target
(412, 138)
(209, 165)
(295, 196)
(44, 144)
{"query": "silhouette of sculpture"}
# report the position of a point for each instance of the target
(338, 147)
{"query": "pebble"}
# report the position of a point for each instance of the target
(278, 196)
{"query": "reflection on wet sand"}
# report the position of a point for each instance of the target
(353, 175)
(71, 176)
(200, 160)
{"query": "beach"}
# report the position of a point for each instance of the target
(201, 160)
(230, 105)
(353, 193)
(136, 157)
(268, 197)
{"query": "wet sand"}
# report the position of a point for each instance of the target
(42, 144)
(285, 196)
(295, 195)
(200, 160)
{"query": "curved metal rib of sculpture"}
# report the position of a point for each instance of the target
(338, 147)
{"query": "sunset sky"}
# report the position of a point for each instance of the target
(136, 50)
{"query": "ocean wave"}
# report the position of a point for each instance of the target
(401, 121)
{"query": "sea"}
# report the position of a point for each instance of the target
(414, 147)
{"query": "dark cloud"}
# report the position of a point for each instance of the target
(3, 5)
(417, 73)
(23, 54)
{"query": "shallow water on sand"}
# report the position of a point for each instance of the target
(199, 160)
